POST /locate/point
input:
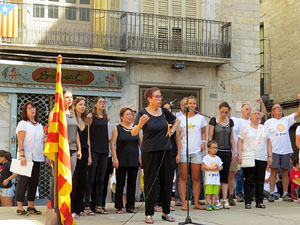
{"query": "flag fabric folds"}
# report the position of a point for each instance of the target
(57, 141)
(8, 20)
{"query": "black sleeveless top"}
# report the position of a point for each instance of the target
(84, 138)
(99, 135)
(222, 134)
(127, 148)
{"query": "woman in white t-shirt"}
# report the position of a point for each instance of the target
(196, 143)
(30, 149)
(254, 153)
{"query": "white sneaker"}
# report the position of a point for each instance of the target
(225, 204)
(219, 204)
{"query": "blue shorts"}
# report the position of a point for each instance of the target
(195, 158)
(7, 192)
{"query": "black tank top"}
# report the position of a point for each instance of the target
(83, 138)
(127, 148)
(99, 135)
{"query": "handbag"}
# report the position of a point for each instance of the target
(249, 160)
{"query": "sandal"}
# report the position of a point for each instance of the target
(119, 211)
(33, 210)
(89, 212)
(184, 208)
(199, 207)
(157, 209)
(22, 212)
(149, 219)
(260, 205)
(101, 210)
(168, 217)
(130, 210)
(172, 208)
(82, 214)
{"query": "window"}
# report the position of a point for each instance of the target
(84, 14)
(71, 1)
(262, 56)
(70, 13)
(86, 2)
(38, 11)
(53, 12)
(53, 0)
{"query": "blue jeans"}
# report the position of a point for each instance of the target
(239, 188)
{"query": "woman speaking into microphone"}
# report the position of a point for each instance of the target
(156, 151)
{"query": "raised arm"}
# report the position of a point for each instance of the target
(297, 113)
(263, 110)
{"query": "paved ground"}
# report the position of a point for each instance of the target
(280, 213)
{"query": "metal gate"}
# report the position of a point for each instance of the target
(44, 104)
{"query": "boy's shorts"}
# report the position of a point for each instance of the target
(212, 189)
(7, 192)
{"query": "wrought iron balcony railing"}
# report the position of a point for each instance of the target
(47, 25)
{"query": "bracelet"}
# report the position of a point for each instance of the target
(22, 156)
(269, 156)
(203, 141)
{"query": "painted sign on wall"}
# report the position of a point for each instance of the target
(35, 73)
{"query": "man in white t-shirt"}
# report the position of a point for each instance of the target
(278, 127)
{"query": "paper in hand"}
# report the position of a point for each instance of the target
(16, 167)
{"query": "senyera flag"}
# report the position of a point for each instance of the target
(8, 20)
(57, 141)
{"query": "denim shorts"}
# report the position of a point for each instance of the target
(7, 192)
(195, 158)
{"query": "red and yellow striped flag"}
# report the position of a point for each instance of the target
(8, 20)
(57, 141)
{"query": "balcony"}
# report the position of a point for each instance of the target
(97, 29)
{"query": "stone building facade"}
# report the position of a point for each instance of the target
(117, 46)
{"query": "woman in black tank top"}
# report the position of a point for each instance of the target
(98, 121)
(125, 151)
(221, 130)
(80, 174)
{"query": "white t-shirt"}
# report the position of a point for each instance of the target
(255, 141)
(212, 177)
(195, 124)
(279, 133)
(238, 124)
(33, 143)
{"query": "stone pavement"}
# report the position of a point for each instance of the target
(278, 213)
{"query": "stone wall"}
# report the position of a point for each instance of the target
(224, 82)
(281, 21)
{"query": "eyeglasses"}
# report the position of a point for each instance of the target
(215, 148)
(101, 102)
(158, 97)
(278, 107)
(134, 111)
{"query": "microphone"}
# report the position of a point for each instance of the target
(172, 103)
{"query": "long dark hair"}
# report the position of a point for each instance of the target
(83, 115)
(24, 111)
(94, 111)
(71, 108)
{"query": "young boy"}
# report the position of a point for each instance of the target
(212, 164)
(295, 178)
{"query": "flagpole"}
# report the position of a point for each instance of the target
(53, 216)
(55, 206)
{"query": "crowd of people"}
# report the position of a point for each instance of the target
(244, 155)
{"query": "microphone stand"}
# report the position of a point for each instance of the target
(188, 219)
